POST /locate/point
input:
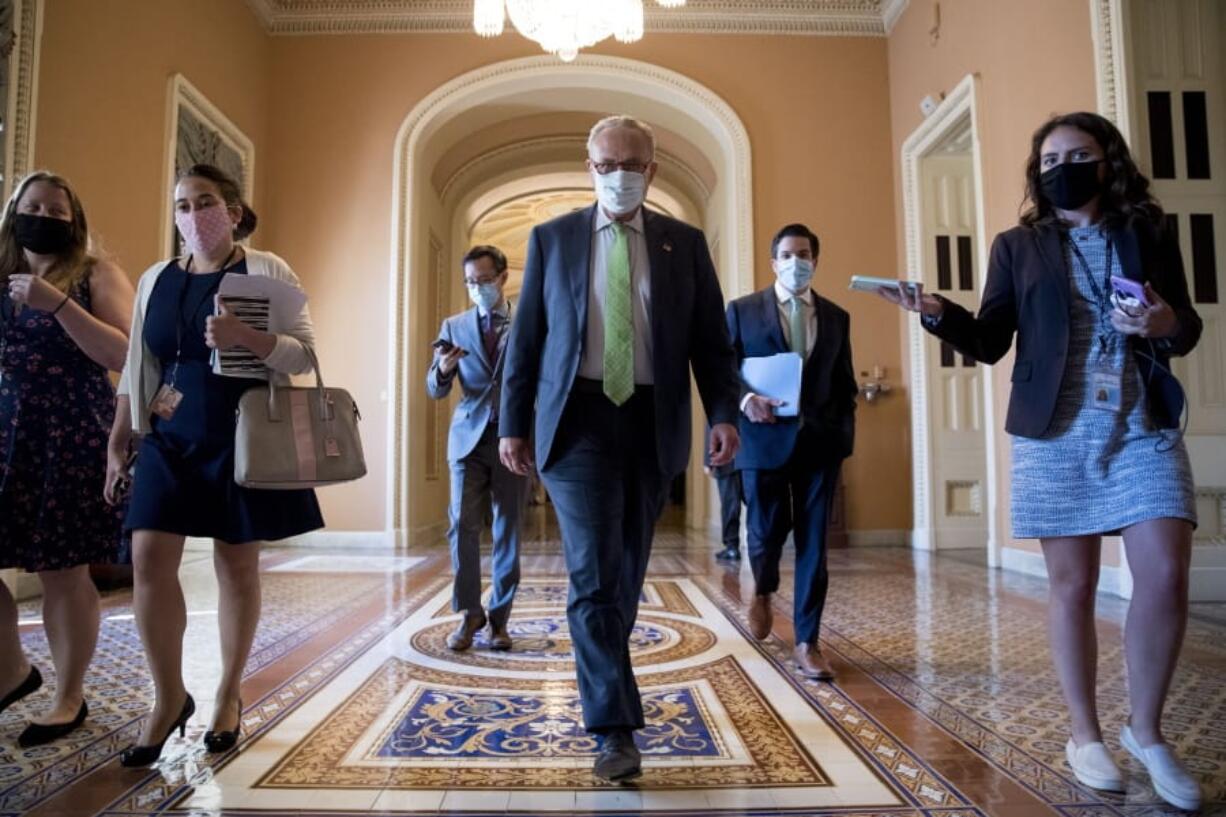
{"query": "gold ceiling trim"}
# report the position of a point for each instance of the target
(846, 18)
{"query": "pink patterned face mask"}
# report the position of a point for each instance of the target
(206, 230)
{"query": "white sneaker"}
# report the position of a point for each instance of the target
(1170, 777)
(1093, 766)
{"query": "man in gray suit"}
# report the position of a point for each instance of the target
(618, 303)
(470, 347)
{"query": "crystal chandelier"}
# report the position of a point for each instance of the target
(563, 27)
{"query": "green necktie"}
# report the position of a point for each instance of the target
(798, 326)
(618, 321)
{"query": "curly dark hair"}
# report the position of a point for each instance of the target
(1126, 193)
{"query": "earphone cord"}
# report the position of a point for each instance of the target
(1167, 439)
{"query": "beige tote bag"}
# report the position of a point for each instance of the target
(292, 437)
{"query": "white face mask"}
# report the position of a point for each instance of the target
(621, 191)
(485, 296)
(794, 273)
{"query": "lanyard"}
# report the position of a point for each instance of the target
(181, 318)
(1100, 293)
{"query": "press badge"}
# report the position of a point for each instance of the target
(1105, 386)
(166, 401)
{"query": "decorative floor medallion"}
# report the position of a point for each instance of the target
(416, 718)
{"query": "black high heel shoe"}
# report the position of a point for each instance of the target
(36, 734)
(223, 741)
(30, 685)
(136, 756)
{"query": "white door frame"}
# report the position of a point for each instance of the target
(953, 112)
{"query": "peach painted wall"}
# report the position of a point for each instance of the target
(817, 113)
(102, 91)
(1033, 59)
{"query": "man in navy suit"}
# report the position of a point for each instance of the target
(618, 303)
(789, 465)
(471, 347)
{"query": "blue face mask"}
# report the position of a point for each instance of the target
(794, 273)
(485, 296)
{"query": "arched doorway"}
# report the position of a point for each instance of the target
(426, 202)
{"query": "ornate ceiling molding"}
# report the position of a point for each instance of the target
(846, 18)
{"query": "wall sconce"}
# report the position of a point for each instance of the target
(873, 387)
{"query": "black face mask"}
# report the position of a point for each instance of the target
(43, 234)
(1071, 185)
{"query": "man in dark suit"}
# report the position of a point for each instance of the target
(618, 303)
(789, 465)
(471, 347)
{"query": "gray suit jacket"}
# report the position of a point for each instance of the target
(480, 379)
(687, 327)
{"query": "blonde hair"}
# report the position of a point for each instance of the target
(622, 121)
(73, 265)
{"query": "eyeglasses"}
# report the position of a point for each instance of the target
(471, 282)
(633, 166)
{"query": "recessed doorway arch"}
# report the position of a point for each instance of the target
(595, 84)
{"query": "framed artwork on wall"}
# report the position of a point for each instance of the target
(199, 133)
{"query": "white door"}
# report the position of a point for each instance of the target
(958, 470)
(1178, 81)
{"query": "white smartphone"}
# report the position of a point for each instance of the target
(869, 283)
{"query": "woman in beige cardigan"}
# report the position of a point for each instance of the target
(173, 396)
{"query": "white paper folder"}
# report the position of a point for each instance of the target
(777, 377)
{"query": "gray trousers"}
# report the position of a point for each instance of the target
(479, 481)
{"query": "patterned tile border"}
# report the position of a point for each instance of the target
(174, 778)
(120, 694)
(1052, 784)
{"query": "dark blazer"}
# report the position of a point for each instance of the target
(479, 380)
(828, 386)
(550, 325)
(1028, 292)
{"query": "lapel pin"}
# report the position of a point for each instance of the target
(668, 247)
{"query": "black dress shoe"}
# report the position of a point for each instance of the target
(31, 684)
(36, 734)
(729, 554)
(136, 756)
(619, 759)
(219, 741)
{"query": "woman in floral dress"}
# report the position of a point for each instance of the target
(63, 325)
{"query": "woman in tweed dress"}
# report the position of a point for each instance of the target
(1094, 415)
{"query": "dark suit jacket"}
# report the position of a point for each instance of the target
(479, 380)
(828, 387)
(550, 324)
(1028, 292)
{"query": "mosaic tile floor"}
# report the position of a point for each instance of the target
(945, 705)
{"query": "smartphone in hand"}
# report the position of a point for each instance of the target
(1128, 294)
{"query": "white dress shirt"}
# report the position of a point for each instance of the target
(784, 297)
(591, 365)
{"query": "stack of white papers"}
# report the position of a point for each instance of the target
(263, 303)
(777, 377)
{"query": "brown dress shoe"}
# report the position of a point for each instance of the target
(500, 639)
(812, 663)
(462, 638)
(619, 759)
(761, 617)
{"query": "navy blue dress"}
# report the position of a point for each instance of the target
(183, 481)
